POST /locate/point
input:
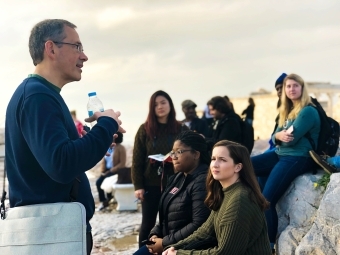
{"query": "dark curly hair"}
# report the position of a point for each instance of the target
(197, 143)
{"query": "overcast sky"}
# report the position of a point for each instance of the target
(191, 49)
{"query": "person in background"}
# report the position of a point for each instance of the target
(44, 154)
(191, 120)
(278, 88)
(297, 117)
(181, 208)
(77, 123)
(237, 224)
(209, 119)
(249, 111)
(227, 122)
(110, 165)
(230, 104)
(155, 136)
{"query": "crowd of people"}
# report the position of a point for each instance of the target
(290, 154)
(212, 198)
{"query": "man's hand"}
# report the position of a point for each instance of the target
(108, 113)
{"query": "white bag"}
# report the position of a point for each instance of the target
(107, 184)
(55, 228)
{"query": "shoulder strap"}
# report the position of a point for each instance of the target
(75, 189)
(3, 197)
(308, 136)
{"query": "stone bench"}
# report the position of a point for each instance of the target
(125, 197)
(122, 189)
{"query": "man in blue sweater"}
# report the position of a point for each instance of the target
(44, 154)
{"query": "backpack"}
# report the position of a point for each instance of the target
(328, 141)
(247, 131)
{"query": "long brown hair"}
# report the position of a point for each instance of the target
(239, 154)
(151, 123)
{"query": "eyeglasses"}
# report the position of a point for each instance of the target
(79, 46)
(177, 153)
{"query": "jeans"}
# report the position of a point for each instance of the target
(335, 161)
(101, 193)
(281, 171)
(142, 251)
(250, 121)
(149, 211)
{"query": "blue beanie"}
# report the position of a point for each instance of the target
(280, 79)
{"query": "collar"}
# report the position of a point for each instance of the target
(46, 82)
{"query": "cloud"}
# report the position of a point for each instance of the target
(191, 49)
(111, 17)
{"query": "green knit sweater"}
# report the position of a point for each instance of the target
(239, 228)
(143, 173)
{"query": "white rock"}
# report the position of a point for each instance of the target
(324, 236)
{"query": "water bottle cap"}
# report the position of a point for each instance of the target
(92, 94)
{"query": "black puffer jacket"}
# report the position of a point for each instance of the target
(185, 211)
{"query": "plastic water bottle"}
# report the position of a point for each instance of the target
(94, 105)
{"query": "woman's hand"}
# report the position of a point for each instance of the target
(284, 136)
(157, 247)
(139, 194)
(170, 251)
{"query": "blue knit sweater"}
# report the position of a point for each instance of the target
(44, 153)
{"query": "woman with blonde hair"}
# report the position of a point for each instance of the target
(237, 223)
(298, 119)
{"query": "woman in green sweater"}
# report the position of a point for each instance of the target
(155, 136)
(237, 224)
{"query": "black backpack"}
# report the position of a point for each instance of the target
(328, 141)
(247, 135)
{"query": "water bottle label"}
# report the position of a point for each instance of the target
(90, 113)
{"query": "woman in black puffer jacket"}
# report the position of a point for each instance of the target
(181, 208)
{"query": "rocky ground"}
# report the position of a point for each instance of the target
(113, 232)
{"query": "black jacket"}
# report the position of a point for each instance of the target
(228, 128)
(185, 211)
(198, 125)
